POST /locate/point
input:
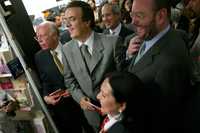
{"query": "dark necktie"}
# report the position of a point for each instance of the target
(86, 55)
(57, 62)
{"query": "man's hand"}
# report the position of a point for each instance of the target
(53, 99)
(86, 104)
(134, 45)
(66, 94)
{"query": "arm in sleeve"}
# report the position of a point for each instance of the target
(70, 81)
(42, 76)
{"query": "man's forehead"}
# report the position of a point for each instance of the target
(73, 10)
(107, 6)
(143, 2)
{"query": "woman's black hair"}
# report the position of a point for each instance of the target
(128, 88)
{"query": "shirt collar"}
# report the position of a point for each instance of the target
(151, 42)
(58, 48)
(116, 30)
(89, 42)
(112, 120)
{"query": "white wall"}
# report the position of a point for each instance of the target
(35, 7)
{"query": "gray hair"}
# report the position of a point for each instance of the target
(51, 26)
(115, 8)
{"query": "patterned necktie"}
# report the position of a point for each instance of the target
(140, 53)
(57, 62)
(85, 54)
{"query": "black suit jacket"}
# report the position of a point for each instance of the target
(118, 128)
(50, 75)
(165, 70)
(66, 114)
(124, 32)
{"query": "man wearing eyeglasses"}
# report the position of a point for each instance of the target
(158, 56)
(87, 58)
(63, 109)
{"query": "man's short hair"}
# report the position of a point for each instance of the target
(87, 12)
(52, 27)
(115, 8)
(160, 4)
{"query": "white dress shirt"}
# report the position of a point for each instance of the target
(89, 42)
(117, 30)
(58, 51)
(112, 121)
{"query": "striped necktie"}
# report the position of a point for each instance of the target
(86, 55)
(57, 61)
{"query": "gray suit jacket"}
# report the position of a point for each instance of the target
(105, 58)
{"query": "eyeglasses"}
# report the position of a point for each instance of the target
(37, 37)
(69, 20)
(138, 15)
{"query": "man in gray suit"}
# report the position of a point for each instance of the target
(159, 57)
(87, 58)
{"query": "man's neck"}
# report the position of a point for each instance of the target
(85, 36)
(55, 46)
(114, 27)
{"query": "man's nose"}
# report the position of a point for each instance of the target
(68, 24)
(135, 21)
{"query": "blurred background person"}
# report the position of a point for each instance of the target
(125, 10)
(111, 17)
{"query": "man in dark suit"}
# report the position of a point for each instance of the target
(87, 58)
(193, 110)
(159, 57)
(65, 111)
(111, 17)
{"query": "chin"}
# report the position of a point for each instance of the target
(104, 111)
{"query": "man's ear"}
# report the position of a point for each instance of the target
(161, 16)
(122, 107)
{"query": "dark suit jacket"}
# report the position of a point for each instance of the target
(165, 70)
(66, 113)
(50, 75)
(123, 33)
(118, 128)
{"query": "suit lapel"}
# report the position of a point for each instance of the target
(106, 31)
(151, 54)
(52, 64)
(147, 58)
(77, 58)
(97, 54)
(122, 31)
